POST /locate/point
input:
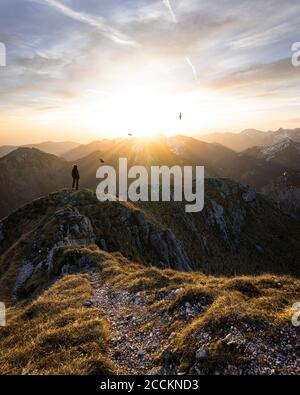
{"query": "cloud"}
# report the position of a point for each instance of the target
(97, 23)
(226, 47)
(170, 9)
(174, 17)
(281, 71)
(189, 62)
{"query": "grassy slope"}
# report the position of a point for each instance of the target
(55, 334)
(257, 305)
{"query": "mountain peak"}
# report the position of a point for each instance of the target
(278, 147)
(251, 132)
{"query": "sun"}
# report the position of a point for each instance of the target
(141, 112)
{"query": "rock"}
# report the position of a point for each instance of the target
(259, 248)
(153, 372)
(216, 216)
(201, 353)
(2, 237)
(173, 294)
(88, 303)
(249, 195)
(289, 347)
(141, 354)
(24, 274)
(205, 336)
(189, 309)
(103, 244)
(197, 370)
(170, 250)
(168, 362)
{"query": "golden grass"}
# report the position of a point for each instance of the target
(261, 302)
(55, 334)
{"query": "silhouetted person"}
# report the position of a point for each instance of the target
(75, 176)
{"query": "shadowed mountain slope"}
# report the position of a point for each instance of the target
(27, 173)
(91, 287)
(238, 232)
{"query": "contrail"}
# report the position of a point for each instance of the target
(98, 23)
(169, 7)
(175, 20)
(189, 62)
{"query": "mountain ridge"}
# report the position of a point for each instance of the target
(251, 137)
(49, 147)
(87, 276)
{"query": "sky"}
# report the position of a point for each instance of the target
(83, 70)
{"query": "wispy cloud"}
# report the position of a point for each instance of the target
(96, 22)
(175, 20)
(171, 11)
(189, 62)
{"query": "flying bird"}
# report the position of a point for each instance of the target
(130, 134)
(180, 116)
(101, 160)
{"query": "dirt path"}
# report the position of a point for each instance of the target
(130, 349)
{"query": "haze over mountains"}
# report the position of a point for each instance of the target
(27, 173)
(50, 147)
(251, 137)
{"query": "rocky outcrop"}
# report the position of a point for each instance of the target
(249, 195)
(170, 250)
(73, 229)
(238, 232)
(288, 199)
(67, 227)
(147, 237)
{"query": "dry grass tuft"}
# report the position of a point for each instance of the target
(55, 334)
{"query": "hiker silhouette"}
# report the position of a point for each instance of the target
(75, 176)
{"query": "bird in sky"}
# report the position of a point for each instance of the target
(130, 134)
(180, 116)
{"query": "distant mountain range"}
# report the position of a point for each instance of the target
(50, 147)
(261, 168)
(72, 151)
(27, 173)
(285, 153)
(82, 150)
(251, 138)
